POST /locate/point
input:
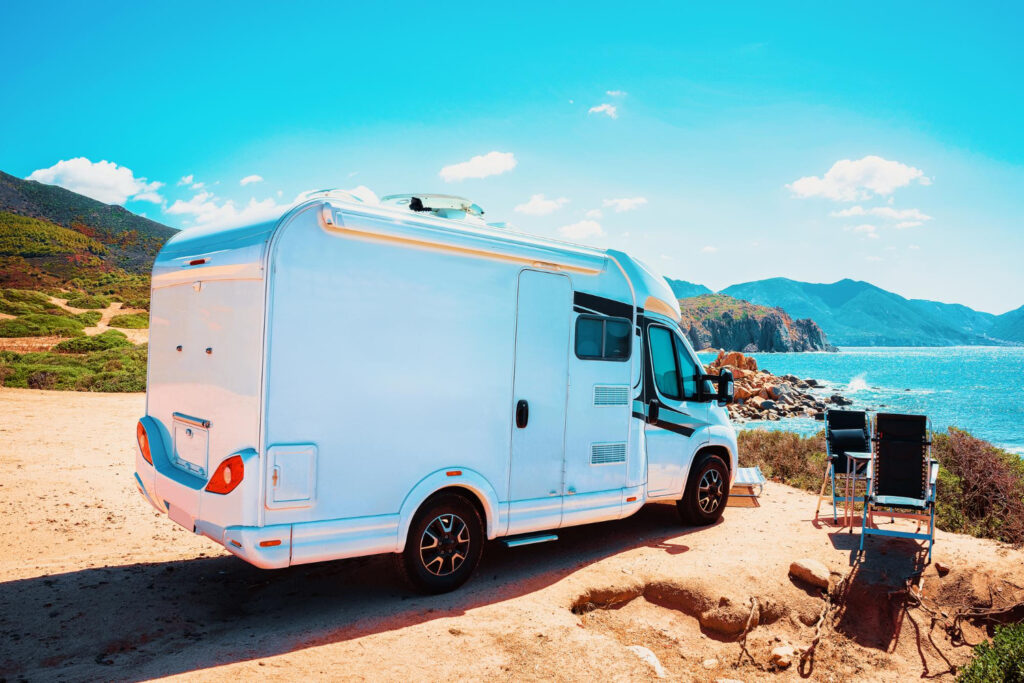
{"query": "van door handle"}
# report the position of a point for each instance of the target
(277, 473)
(522, 413)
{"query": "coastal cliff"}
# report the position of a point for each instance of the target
(722, 322)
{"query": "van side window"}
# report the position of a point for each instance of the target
(663, 358)
(601, 338)
(687, 370)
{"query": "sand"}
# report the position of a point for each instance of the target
(94, 584)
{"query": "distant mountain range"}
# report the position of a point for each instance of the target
(855, 313)
(722, 322)
(684, 290)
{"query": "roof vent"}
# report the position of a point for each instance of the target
(441, 205)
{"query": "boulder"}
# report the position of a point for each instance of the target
(768, 405)
(810, 571)
(728, 618)
(756, 402)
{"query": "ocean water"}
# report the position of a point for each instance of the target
(977, 388)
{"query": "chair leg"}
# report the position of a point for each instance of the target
(821, 494)
(863, 528)
(833, 471)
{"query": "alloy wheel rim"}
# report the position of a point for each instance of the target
(710, 491)
(444, 544)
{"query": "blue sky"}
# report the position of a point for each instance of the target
(700, 140)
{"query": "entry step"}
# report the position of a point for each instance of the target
(517, 541)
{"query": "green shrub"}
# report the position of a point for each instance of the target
(23, 302)
(138, 302)
(111, 339)
(41, 325)
(130, 321)
(1000, 660)
(117, 369)
(784, 456)
(88, 301)
(89, 318)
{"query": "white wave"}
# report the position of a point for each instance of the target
(857, 383)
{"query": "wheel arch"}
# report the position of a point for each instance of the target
(467, 483)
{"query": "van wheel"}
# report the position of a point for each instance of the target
(443, 548)
(707, 492)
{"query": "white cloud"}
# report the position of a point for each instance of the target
(865, 229)
(186, 179)
(492, 163)
(874, 259)
(625, 204)
(708, 249)
(849, 180)
(594, 213)
(581, 230)
(104, 181)
(540, 206)
(616, 93)
(907, 218)
(365, 193)
(251, 179)
(197, 186)
(913, 247)
(208, 210)
(609, 110)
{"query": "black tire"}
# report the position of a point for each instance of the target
(707, 491)
(453, 524)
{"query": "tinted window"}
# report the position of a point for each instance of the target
(600, 338)
(663, 358)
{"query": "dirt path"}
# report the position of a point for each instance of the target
(96, 585)
(31, 344)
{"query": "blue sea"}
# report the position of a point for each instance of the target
(977, 388)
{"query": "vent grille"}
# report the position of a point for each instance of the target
(615, 395)
(605, 453)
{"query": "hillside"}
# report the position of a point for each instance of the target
(684, 290)
(854, 313)
(54, 239)
(722, 322)
(1009, 326)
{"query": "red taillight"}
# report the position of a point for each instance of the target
(140, 434)
(228, 476)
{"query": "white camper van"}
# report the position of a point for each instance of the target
(402, 377)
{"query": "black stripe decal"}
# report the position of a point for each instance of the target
(603, 305)
(685, 430)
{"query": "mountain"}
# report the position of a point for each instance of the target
(855, 313)
(722, 322)
(53, 238)
(1009, 326)
(684, 290)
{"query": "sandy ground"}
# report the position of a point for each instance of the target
(96, 585)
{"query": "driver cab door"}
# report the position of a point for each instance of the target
(675, 414)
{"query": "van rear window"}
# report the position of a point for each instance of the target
(602, 338)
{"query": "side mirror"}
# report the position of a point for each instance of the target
(653, 410)
(726, 388)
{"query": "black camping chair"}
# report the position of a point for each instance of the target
(848, 447)
(902, 477)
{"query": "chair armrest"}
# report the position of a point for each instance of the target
(933, 476)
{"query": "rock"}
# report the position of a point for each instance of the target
(838, 400)
(728, 618)
(649, 657)
(813, 383)
(783, 656)
(740, 392)
(756, 402)
(942, 568)
(709, 664)
(810, 571)
(768, 405)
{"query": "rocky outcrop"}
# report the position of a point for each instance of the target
(721, 322)
(760, 395)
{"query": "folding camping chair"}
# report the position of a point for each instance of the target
(902, 477)
(848, 447)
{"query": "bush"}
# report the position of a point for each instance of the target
(89, 318)
(785, 456)
(23, 302)
(111, 339)
(980, 488)
(1000, 660)
(117, 369)
(130, 321)
(88, 301)
(41, 325)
